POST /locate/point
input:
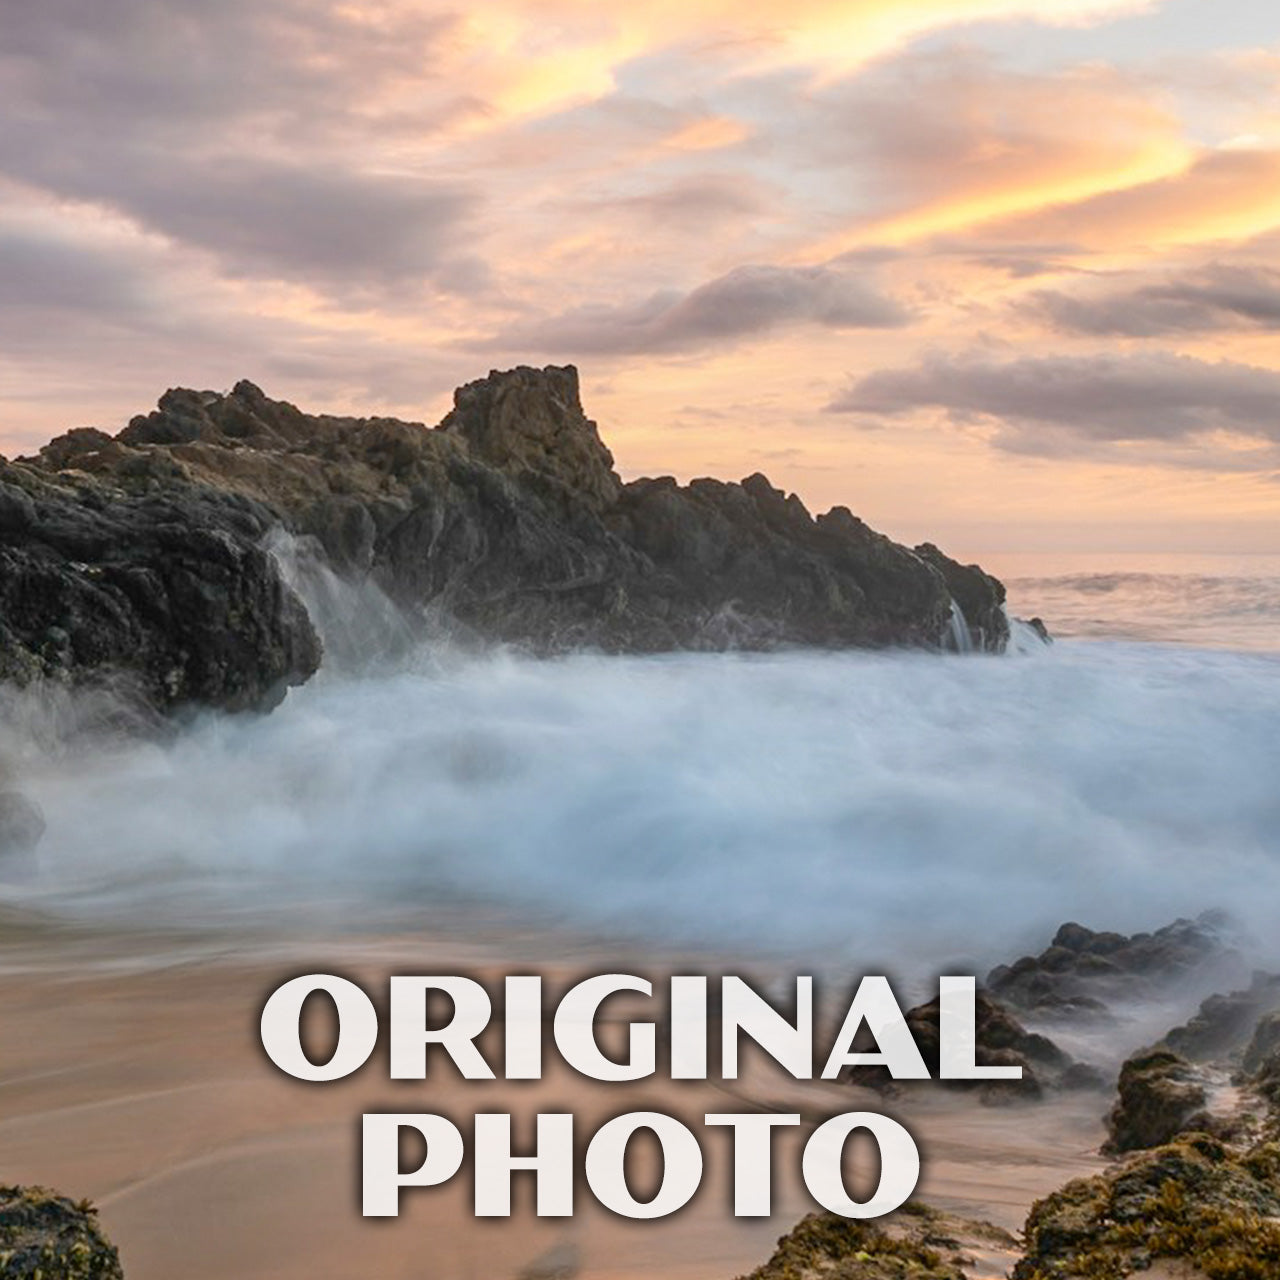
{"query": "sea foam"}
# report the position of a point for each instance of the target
(867, 806)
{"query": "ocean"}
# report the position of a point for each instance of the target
(830, 808)
(1211, 601)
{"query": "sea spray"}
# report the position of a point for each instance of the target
(869, 805)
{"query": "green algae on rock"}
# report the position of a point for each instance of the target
(1159, 1098)
(916, 1243)
(45, 1236)
(1195, 1201)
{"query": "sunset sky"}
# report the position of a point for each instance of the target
(1003, 273)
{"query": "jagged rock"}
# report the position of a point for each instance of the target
(1001, 1041)
(1081, 969)
(45, 1236)
(531, 420)
(1160, 1098)
(1224, 1022)
(143, 553)
(1213, 1211)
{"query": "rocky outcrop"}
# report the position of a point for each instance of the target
(1081, 969)
(1225, 1022)
(45, 1236)
(1192, 1194)
(1000, 1041)
(143, 553)
(1264, 1044)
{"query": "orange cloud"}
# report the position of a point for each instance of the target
(528, 58)
(953, 142)
(1224, 195)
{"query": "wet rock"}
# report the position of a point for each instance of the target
(1038, 626)
(168, 592)
(979, 596)
(1196, 1202)
(1160, 1097)
(45, 1236)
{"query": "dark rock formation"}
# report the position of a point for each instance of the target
(143, 553)
(1002, 1041)
(1213, 1210)
(1160, 1097)
(154, 579)
(1081, 969)
(1225, 1022)
(979, 596)
(45, 1236)
(1263, 1045)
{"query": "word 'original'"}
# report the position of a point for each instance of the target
(687, 1030)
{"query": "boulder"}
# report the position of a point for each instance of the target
(1160, 1097)
(45, 1236)
(167, 591)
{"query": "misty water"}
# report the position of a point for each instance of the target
(829, 806)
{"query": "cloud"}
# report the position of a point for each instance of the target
(44, 272)
(933, 143)
(1041, 401)
(695, 202)
(296, 222)
(1224, 195)
(1218, 297)
(744, 303)
(234, 128)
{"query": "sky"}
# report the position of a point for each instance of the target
(1000, 273)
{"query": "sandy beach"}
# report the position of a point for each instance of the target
(131, 1073)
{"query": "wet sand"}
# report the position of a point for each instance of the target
(131, 1073)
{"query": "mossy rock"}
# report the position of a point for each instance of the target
(915, 1244)
(1159, 1098)
(45, 1236)
(1195, 1201)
